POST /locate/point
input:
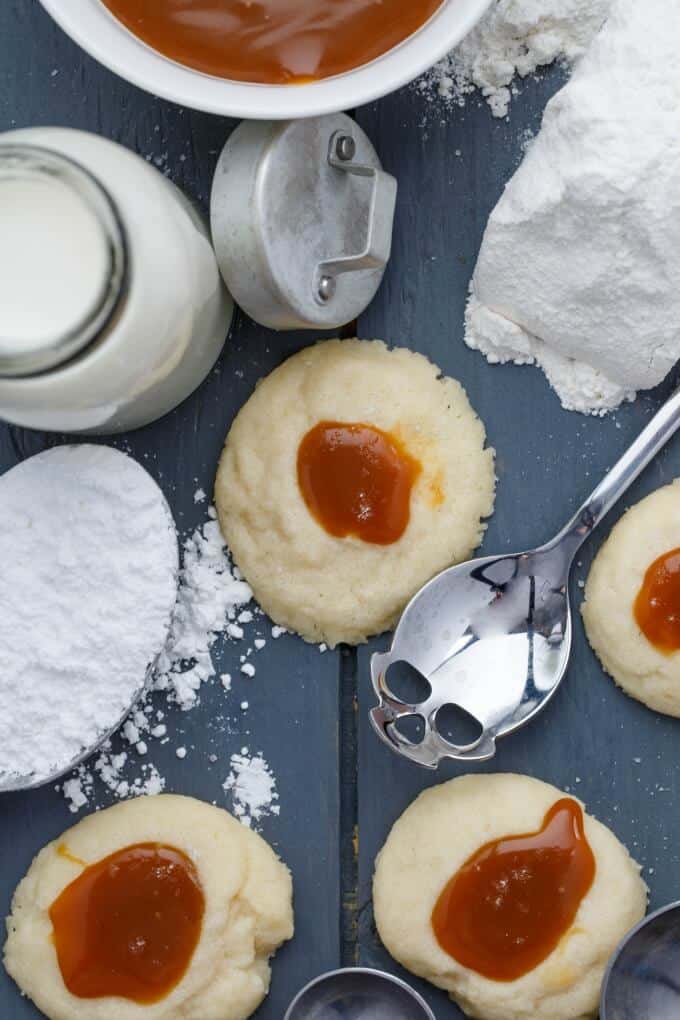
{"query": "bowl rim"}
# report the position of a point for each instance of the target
(373, 972)
(96, 30)
(613, 959)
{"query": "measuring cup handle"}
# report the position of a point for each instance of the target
(375, 251)
(653, 438)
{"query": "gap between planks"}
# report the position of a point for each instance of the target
(348, 764)
(349, 807)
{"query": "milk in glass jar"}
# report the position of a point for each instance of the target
(112, 308)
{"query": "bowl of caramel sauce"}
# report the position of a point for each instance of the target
(268, 59)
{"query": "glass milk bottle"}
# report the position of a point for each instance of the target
(112, 308)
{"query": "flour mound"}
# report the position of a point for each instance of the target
(516, 37)
(579, 264)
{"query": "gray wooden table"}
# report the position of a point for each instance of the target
(308, 711)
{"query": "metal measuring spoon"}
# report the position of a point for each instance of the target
(642, 981)
(358, 993)
(493, 636)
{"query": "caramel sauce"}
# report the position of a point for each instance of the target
(657, 606)
(63, 851)
(273, 41)
(129, 924)
(435, 489)
(509, 905)
(357, 480)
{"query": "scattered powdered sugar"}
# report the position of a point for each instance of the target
(74, 793)
(108, 768)
(251, 787)
(515, 37)
(89, 577)
(211, 606)
(211, 595)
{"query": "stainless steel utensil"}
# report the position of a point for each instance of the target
(493, 636)
(642, 981)
(302, 215)
(358, 993)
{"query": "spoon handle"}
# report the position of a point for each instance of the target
(652, 438)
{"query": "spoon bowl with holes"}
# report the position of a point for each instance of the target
(492, 637)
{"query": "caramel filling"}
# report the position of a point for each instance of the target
(508, 906)
(657, 606)
(357, 480)
(129, 924)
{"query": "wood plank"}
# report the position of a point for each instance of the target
(617, 756)
(451, 171)
(293, 714)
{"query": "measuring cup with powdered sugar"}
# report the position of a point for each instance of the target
(87, 590)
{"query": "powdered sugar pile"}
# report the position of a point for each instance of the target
(252, 788)
(580, 260)
(515, 37)
(89, 577)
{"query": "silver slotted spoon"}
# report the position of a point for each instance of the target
(493, 636)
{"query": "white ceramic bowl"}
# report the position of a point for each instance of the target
(94, 28)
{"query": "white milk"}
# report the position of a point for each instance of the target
(53, 260)
(112, 308)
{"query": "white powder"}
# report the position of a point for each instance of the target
(130, 732)
(108, 767)
(251, 787)
(74, 793)
(210, 595)
(515, 37)
(580, 262)
(88, 580)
